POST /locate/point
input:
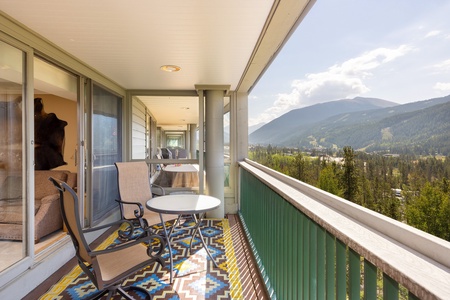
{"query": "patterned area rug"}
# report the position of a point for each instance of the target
(195, 276)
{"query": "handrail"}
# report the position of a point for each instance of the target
(367, 234)
(171, 161)
(425, 243)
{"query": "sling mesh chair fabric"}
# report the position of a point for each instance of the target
(108, 268)
(135, 189)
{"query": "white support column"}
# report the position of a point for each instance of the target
(187, 141)
(242, 124)
(214, 149)
(193, 140)
(201, 142)
(163, 139)
(241, 139)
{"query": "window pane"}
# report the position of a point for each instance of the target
(12, 197)
(55, 143)
(107, 143)
(138, 130)
(226, 149)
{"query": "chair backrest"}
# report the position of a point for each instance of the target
(134, 185)
(71, 217)
(158, 153)
(182, 153)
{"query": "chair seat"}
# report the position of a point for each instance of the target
(113, 265)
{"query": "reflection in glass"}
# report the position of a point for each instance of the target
(226, 150)
(106, 144)
(12, 199)
(55, 140)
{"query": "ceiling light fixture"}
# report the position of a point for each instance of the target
(170, 68)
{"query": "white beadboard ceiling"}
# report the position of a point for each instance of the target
(215, 42)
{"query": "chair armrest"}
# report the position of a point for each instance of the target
(138, 213)
(154, 249)
(163, 191)
(119, 222)
(126, 234)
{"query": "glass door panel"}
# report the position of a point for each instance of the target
(12, 190)
(55, 144)
(106, 150)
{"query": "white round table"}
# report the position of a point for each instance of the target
(181, 205)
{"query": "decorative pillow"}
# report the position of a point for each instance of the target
(43, 186)
(11, 211)
(11, 188)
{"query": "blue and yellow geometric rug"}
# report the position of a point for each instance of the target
(195, 276)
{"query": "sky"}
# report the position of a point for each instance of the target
(396, 50)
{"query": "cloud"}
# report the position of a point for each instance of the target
(432, 33)
(443, 65)
(442, 86)
(347, 79)
(253, 97)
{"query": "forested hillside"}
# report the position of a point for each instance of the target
(420, 128)
(426, 131)
(301, 119)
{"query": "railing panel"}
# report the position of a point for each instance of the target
(390, 288)
(370, 281)
(321, 258)
(341, 270)
(299, 258)
(354, 275)
(330, 267)
(313, 261)
(306, 254)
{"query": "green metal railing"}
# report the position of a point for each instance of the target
(298, 259)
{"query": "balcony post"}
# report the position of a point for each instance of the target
(214, 161)
(192, 140)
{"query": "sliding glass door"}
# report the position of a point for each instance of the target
(106, 150)
(13, 216)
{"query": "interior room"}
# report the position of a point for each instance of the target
(55, 109)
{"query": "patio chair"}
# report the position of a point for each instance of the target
(108, 268)
(135, 189)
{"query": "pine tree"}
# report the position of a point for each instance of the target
(328, 180)
(350, 176)
(430, 210)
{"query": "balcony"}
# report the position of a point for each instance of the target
(308, 244)
(312, 245)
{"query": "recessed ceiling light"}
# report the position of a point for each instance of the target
(170, 68)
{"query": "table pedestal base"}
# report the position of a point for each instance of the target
(176, 226)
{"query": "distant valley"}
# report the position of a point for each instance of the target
(367, 124)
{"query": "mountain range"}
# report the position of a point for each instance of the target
(368, 124)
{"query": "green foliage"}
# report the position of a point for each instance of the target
(430, 211)
(329, 180)
(349, 179)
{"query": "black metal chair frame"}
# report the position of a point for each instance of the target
(155, 246)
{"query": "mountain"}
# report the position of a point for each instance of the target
(302, 118)
(253, 128)
(420, 126)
